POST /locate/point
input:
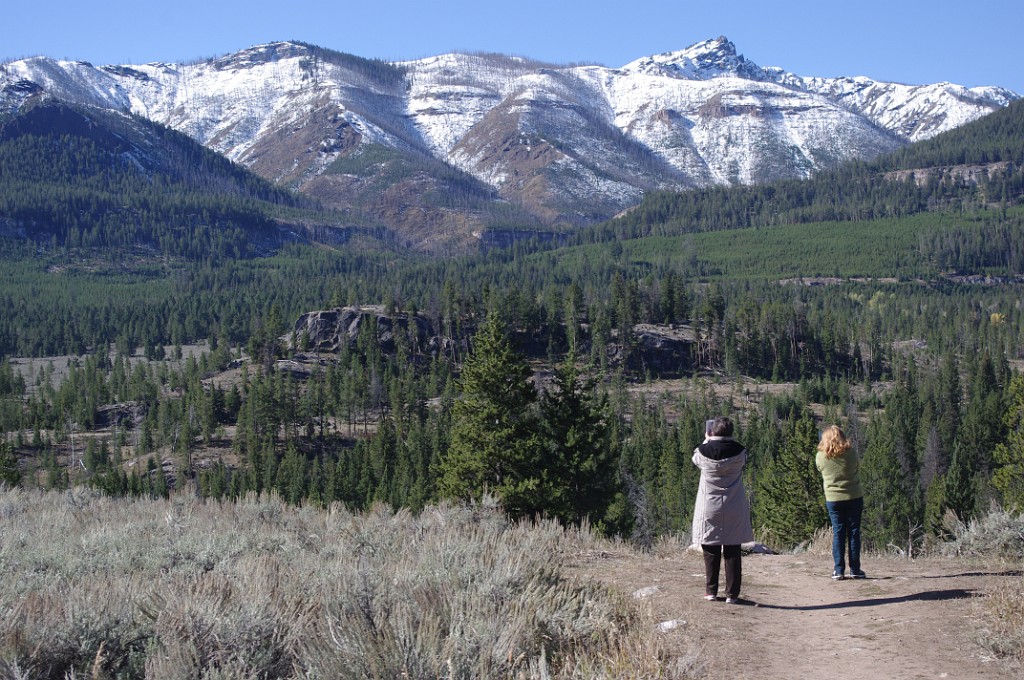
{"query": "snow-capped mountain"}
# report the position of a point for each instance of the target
(913, 112)
(442, 147)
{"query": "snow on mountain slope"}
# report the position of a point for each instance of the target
(274, 108)
(451, 93)
(568, 145)
(701, 61)
(232, 104)
(75, 81)
(912, 112)
(732, 130)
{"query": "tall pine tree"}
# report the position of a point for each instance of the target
(580, 470)
(9, 473)
(495, 446)
(790, 499)
(1008, 477)
(893, 507)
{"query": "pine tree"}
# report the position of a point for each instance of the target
(579, 465)
(959, 488)
(892, 503)
(1008, 477)
(678, 476)
(935, 506)
(9, 473)
(494, 441)
(157, 478)
(291, 476)
(790, 500)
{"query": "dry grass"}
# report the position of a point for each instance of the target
(1001, 621)
(181, 588)
(820, 544)
(999, 534)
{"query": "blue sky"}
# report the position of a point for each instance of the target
(910, 41)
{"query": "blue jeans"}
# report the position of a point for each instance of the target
(845, 516)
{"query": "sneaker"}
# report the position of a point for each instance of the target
(837, 576)
(858, 574)
(732, 600)
(710, 598)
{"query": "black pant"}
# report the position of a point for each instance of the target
(733, 569)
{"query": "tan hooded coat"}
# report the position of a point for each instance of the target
(721, 514)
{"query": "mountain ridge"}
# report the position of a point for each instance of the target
(445, 147)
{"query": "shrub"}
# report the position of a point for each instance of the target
(182, 588)
(1001, 628)
(998, 534)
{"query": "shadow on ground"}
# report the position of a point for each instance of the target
(926, 596)
(1012, 572)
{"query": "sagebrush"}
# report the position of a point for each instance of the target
(1000, 533)
(182, 588)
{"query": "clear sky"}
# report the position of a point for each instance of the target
(909, 41)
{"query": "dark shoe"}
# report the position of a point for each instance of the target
(837, 576)
(858, 574)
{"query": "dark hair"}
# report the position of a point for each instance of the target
(722, 427)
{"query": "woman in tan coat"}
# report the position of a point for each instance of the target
(721, 515)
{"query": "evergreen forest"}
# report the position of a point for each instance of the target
(149, 345)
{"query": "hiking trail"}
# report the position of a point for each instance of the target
(908, 619)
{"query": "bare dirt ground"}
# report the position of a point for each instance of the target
(908, 619)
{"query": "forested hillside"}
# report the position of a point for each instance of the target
(884, 188)
(74, 177)
(992, 139)
(887, 302)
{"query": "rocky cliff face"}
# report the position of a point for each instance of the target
(441, 148)
(332, 329)
(664, 348)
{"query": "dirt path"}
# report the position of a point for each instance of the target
(909, 619)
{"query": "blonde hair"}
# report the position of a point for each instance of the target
(833, 442)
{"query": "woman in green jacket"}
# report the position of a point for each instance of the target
(839, 465)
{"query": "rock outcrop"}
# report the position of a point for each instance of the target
(661, 349)
(330, 330)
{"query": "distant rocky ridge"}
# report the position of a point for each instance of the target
(665, 349)
(441, 150)
(968, 174)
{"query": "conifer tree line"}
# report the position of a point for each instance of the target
(939, 430)
(116, 207)
(74, 307)
(91, 235)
